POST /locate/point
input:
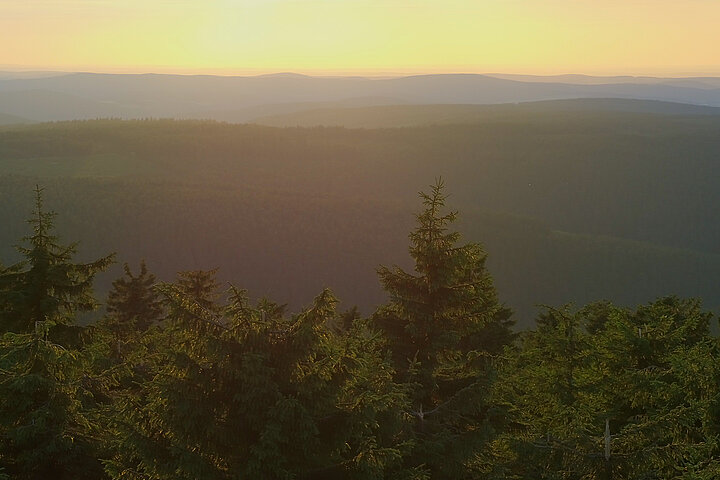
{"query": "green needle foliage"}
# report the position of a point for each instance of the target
(133, 303)
(180, 381)
(46, 286)
(652, 374)
(250, 393)
(548, 387)
(444, 325)
(46, 430)
(200, 287)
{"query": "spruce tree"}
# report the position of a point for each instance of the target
(201, 287)
(46, 288)
(607, 392)
(133, 306)
(46, 390)
(250, 393)
(46, 428)
(444, 324)
(555, 411)
(133, 303)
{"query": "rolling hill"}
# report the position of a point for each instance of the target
(388, 116)
(243, 99)
(6, 119)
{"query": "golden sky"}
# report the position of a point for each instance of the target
(642, 37)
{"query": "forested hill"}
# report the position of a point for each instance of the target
(6, 119)
(571, 206)
(384, 116)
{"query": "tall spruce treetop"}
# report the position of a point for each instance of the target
(46, 286)
(450, 302)
(443, 324)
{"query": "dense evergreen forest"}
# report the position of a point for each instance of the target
(576, 203)
(190, 379)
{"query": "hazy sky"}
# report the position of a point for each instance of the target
(668, 37)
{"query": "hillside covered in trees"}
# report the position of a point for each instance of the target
(191, 379)
(577, 203)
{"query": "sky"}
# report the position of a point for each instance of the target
(337, 37)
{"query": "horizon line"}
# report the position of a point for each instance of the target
(248, 72)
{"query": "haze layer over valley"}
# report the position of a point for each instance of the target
(43, 97)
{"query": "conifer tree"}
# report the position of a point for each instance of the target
(666, 390)
(550, 390)
(201, 287)
(606, 392)
(133, 302)
(249, 393)
(46, 430)
(133, 306)
(45, 390)
(444, 324)
(46, 286)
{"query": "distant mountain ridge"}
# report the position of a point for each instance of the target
(244, 99)
(698, 82)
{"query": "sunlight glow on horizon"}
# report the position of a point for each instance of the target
(333, 37)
